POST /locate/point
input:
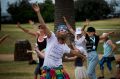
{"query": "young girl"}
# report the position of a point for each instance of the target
(108, 55)
(80, 43)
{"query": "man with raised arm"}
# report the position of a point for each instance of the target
(56, 48)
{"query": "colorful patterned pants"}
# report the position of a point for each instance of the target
(54, 73)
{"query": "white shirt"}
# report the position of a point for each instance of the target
(54, 52)
(81, 44)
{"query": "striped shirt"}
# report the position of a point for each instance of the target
(107, 49)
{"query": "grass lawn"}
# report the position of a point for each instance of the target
(21, 70)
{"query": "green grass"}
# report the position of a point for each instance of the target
(22, 70)
(110, 23)
(16, 34)
(16, 70)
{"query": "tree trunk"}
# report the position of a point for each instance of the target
(0, 28)
(64, 8)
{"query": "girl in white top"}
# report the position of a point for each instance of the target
(80, 41)
(80, 44)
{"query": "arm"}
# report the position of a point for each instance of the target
(106, 35)
(3, 38)
(25, 30)
(84, 26)
(41, 54)
(32, 23)
(70, 58)
(77, 53)
(112, 44)
(41, 20)
(69, 26)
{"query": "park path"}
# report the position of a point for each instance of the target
(10, 57)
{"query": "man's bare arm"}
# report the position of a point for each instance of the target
(41, 20)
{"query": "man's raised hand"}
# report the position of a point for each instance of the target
(36, 7)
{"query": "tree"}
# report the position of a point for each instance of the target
(91, 9)
(0, 15)
(47, 10)
(113, 4)
(64, 8)
(21, 11)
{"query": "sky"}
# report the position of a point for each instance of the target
(4, 5)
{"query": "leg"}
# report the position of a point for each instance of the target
(37, 71)
(92, 63)
(101, 63)
(109, 65)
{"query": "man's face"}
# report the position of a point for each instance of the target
(62, 32)
(61, 35)
(91, 33)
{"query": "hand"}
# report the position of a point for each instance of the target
(64, 19)
(36, 8)
(31, 22)
(86, 22)
(111, 32)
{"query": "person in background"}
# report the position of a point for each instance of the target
(41, 45)
(80, 43)
(56, 48)
(91, 45)
(108, 56)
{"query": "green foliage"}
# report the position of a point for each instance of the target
(22, 11)
(47, 10)
(92, 9)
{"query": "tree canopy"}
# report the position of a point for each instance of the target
(22, 11)
(91, 9)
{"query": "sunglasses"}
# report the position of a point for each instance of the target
(61, 30)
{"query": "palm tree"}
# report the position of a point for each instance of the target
(64, 8)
